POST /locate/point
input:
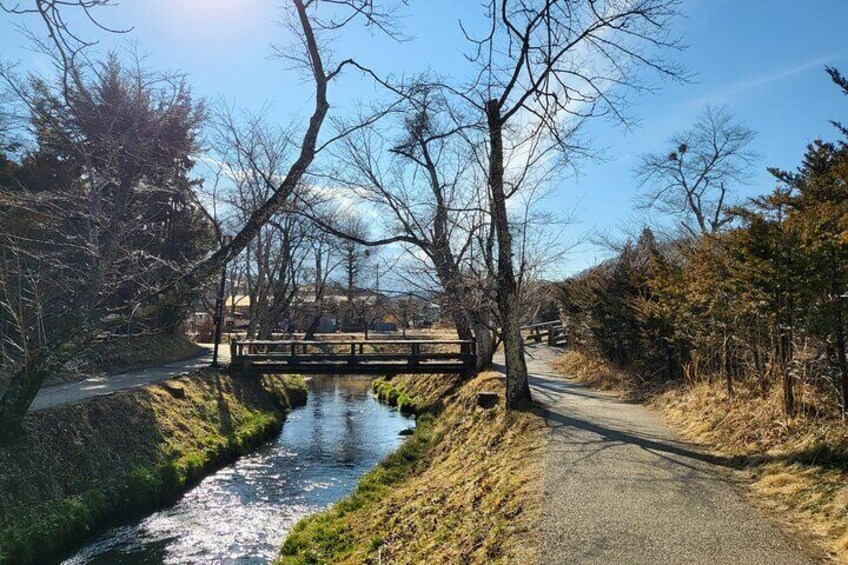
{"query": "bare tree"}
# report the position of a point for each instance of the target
(326, 254)
(356, 266)
(542, 68)
(254, 154)
(423, 184)
(65, 45)
(311, 20)
(695, 180)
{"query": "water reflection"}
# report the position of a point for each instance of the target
(242, 513)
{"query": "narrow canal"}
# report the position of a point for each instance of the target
(242, 513)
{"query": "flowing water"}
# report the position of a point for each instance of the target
(242, 513)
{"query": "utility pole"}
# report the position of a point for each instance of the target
(219, 306)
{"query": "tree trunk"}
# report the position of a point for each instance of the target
(349, 314)
(448, 274)
(785, 345)
(442, 254)
(26, 381)
(313, 324)
(517, 385)
(22, 388)
(759, 368)
(726, 366)
(485, 342)
(670, 366)
(463, 328)
(841, 361)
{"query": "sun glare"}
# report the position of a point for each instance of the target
(221, 20)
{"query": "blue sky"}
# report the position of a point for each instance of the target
(763, 59)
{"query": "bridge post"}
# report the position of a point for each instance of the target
(552, 335)
(352, 360)
(416, 350)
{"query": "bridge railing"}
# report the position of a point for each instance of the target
(553, 333)
(327, 356)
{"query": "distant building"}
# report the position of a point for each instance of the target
(237, 311)
(430, 315)
(367, 308)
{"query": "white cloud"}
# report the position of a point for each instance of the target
(744, 86)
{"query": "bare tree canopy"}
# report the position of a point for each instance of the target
(696, 179)
(542, 68)
(310, 21)
(538, 70)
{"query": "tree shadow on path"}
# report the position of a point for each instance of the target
(617, 436)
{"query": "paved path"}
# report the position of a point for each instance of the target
(620, 489)
(99, 386)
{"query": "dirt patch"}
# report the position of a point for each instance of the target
(466, 488)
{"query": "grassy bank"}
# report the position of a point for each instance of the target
(120, 354)
(465, 488)
(81, 465)
(416, 394)
(798, 465)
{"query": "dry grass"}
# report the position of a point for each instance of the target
(593, 372)
(798, 466)
(467, 490)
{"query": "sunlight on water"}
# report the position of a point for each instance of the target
(242, 513)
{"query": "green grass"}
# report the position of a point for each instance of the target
(389, 394)
(327, 537)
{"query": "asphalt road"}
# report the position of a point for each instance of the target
(99, 386)
(621, 489)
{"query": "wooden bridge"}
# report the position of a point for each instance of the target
(371, 357)
(368, 357)
(552, 333)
